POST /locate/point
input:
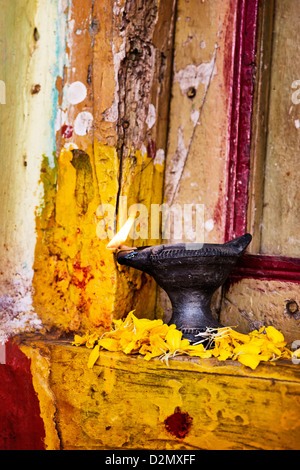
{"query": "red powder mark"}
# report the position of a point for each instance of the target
(21, 426)
(179, 423)
(67, 131)
(151, 149)
(84, 275)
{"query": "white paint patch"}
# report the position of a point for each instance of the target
(70, 146)
(297, 123)
(16, 311)
(117, 9)
(83, 123)
(159, 157)
(112, 113)
(195, 114)
(151, 117)
(176, 167)
(76, 92)
(143, 150)
(193, 75)
(62, 5)
(209, 225)
(60, 120)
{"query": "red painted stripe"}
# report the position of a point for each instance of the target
(241, 118)
(267, 268)
(21, 427)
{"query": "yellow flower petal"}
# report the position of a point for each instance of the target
(94, 356)
(239, 336)
(184, 344)
(274, 335)
(160, 330)
(79, 340)
(90, 343)
(157, 342)
(153, 338)
(224, 354)
(173, 339)
(198, 351)
(249, 360)
(110, 344)
(250, 348)
(286, 353)
(118, 323)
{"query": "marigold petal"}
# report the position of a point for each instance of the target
(79, 340)
(173, 339)
(274, 335)
(249, 360)
(248, 348)
(93, 356)
(224, 354)
(110, 344)
(239, 336)
(157, 342)
(91, 340)
(199, 351)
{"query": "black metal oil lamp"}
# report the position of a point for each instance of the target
(189, 274)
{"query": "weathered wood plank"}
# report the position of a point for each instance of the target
(196, 170)
(125, 402)
(280, 220)
(260, 122)
(251, 303)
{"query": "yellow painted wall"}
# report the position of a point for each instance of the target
(119, 80)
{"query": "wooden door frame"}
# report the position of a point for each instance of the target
(249, 119)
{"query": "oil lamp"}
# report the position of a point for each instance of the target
(189, 273)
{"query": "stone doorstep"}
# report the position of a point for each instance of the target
(125, 402)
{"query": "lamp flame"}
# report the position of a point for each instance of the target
(117, 241)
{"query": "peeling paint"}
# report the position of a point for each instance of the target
(83, 123)
(193, 75)
(60, 119)
(111, 114)
(159, 157)
(176, 165)
(195, 114)
(16, 311)
(151, 117)
(76, 92)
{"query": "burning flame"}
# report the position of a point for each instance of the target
(117, 242)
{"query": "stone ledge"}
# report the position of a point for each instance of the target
(125, 402)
